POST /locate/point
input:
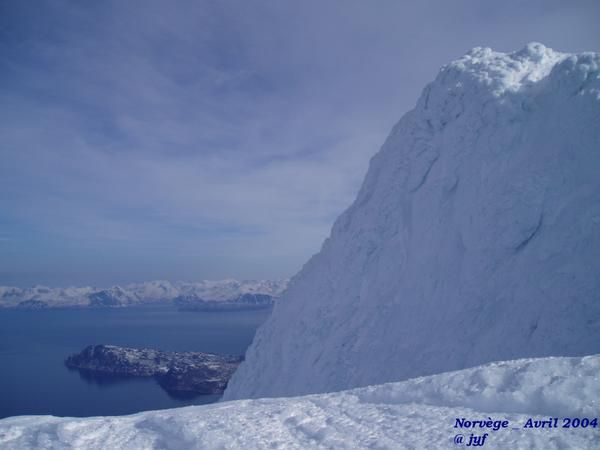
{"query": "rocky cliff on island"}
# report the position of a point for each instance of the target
(179, 373)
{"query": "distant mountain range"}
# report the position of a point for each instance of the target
(202, 295)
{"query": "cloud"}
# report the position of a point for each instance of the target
(197, 139)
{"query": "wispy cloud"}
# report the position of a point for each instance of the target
(197, 139)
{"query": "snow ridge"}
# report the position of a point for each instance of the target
(475, 237)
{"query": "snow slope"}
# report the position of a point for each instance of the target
(416, 414)
(227, 290)
(475, 237)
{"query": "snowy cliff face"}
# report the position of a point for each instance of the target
(475, 237)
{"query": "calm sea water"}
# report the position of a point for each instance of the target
(34, 344)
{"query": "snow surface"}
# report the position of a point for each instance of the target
(132, 294)
(475, 237)
(415, 414)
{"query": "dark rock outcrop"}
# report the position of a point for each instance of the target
(176, 372)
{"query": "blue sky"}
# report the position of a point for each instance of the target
(186, 140)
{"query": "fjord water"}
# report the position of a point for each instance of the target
(34, 344)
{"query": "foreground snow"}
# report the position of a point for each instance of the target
(418, 413)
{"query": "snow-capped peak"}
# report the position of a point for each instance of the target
(475, 237)
(502, 72)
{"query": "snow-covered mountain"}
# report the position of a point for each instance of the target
(42, 296)
(230, 293)
(475, 237)
(419, 414)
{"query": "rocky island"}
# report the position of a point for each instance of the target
(179, 373)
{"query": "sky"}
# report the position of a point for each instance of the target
(189, 140)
